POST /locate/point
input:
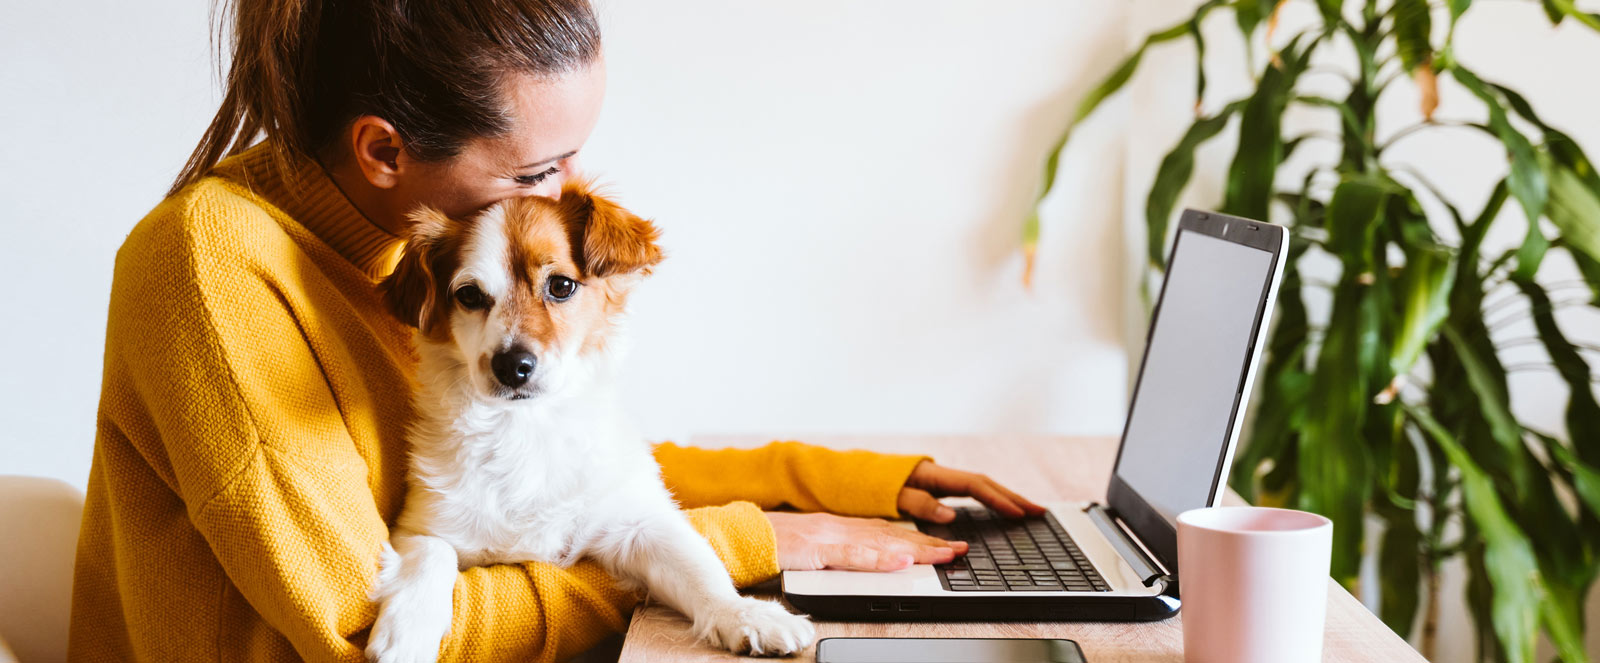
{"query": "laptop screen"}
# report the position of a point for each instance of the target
(1181, 420)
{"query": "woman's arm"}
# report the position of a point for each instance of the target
(801, 476)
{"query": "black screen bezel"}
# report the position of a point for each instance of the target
(1158, 535)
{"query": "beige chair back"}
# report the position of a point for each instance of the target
(39, 521)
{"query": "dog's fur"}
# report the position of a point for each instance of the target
(547, 470)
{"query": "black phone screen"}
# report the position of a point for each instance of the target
(948, 650)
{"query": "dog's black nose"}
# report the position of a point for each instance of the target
(512, 367)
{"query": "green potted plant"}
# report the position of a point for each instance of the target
(1399, 406)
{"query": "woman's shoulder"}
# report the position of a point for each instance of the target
(213, 219)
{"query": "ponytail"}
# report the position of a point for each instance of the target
(302, 70)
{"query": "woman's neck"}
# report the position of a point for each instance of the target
(370, 200)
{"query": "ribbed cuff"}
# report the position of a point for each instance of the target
(882, 477)
(743, 539)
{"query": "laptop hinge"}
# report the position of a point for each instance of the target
(1148, 569)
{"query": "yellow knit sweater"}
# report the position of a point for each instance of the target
(250, 451)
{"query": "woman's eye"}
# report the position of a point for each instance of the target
(471, 298)
(531, 180)
(561, 288)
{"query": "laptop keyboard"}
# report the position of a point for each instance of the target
(1013, 555)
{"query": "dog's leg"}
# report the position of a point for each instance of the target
(415, 595)
(664, 553)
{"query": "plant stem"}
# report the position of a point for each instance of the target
(1430, 619)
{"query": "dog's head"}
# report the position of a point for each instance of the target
(526, 295)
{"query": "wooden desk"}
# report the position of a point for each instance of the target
(1043, 468)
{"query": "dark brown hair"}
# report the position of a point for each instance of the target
(302, 70)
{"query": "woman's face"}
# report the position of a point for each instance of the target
(551, 118)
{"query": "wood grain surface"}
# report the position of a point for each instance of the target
(1042, 468)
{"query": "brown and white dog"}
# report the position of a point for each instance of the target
(520, 451)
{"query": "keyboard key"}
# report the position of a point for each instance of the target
(1035, 554)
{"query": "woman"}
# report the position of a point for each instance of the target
(250, 449)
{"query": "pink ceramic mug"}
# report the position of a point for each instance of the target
(1254, 584)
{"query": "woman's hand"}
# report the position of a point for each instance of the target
(929, 482)
(812, 541)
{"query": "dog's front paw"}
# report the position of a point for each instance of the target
(397, 639)
(410, 624)
(754, 626)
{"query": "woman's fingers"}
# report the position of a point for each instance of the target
(991, 495)
(922, 505)
(942, 481)
(858, 557)
(927, 549)
(819, 540)
(1025, 503)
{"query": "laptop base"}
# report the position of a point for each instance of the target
(1009, 608)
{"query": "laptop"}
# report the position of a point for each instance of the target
(1116, 561)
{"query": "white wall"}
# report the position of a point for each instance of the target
(841, 187)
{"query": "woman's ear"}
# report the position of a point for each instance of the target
(606, 239)
(413, 290)
(376, 146)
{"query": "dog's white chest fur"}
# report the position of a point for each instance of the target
(511, 482)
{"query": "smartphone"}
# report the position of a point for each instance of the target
(948, 650)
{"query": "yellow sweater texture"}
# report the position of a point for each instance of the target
(250, 451)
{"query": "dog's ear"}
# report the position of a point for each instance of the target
(412, 290)
(606, 239)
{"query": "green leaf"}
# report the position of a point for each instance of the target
(1176, 169)
(1585, 478)
(1568, 8)
(1527, 179)
(1472, 236)
(1562, 614)
(1330, 11)
(1424, 287)
(1412, 25)
(1353, 214)
(1553, 12)
(1400, 566)
(1334, 464)
(1509, 561)
(1199, 62)
(1532, 251)
(1249, 187)
(1583, 412)
(1250, 13)
(1488, 383)
(1575, 209)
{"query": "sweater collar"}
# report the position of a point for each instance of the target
(308, 195)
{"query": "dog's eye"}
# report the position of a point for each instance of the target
(470, 297)
(561, 287)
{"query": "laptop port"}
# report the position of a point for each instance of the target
(910, 606)
(880, 606)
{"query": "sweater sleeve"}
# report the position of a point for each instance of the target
(802, 476)
(253, 442)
